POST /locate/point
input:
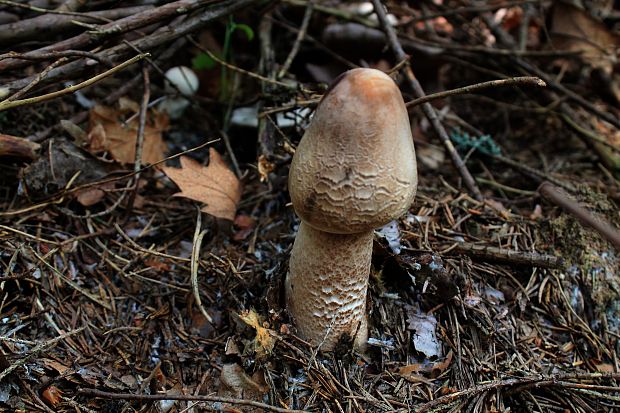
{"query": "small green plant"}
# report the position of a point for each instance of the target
(204, 61)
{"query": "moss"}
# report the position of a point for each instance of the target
(592, 261)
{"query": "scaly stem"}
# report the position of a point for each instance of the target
(326, 285)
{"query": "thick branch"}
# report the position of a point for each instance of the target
(50, 24)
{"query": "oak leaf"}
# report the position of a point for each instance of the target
(110, 132)
(215, 185)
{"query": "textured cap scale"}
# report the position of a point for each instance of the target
(355, 167)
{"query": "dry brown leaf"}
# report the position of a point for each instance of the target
(573, 29)
(235, 383)
(434, 368)
(91, 196)
(245, 224)
(215, 184)
(109, 132)
(52, 395)
(264, 341)
(264, 168)
(54, 365)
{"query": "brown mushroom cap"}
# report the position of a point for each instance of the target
(355, 167)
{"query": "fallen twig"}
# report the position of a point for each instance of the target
(590, 107)
(194, 264)
(534, 259)
(532, 172)
(528, 80)
(300, 37)
(147, 43)
(13, 33)
(56, 55)
(184, 397)
(146, 96)
(537, 382)
(14, 146)
(8, 104)
(118, 27)
(238, 69)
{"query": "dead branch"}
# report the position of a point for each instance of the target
(50, 24)
(8, 104)
(18, 147)
(184, 397)
(525, 80)
(486, 252)
(56, 55)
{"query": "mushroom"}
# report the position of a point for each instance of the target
(183, 80)
(353, 171)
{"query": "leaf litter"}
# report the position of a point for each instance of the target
(496, 335)
(214, 185)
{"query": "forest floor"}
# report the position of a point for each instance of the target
(489, 295)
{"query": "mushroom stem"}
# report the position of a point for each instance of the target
(326, 300)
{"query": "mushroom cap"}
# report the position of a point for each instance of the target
(355, 168)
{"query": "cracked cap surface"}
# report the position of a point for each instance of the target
(355, 168)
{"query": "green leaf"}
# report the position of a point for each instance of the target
(247, 29)
(203, 61)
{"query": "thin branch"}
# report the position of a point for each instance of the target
(238, 69)
(163, 35)
(523, 80)
(36, 80)
(50, 11)
(146, 96)
(563, 90)
(117, 28)
(300, 37)
(56, 55)
(184, 397)
(586, 133)
(198, 236)
(4, 105)
(486, 252)
(29, 28)
(539, 176)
